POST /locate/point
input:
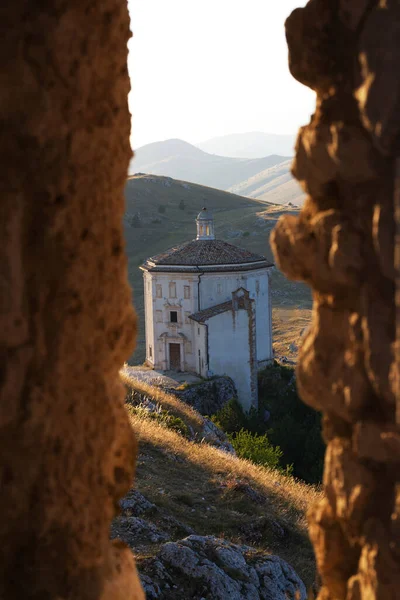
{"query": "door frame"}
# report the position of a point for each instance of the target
(180, 345)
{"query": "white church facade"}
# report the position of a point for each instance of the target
(208, 310)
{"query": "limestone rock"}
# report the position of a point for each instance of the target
(67, 323)
(208, 397)
(213, 435)
(344, 245)
(136, 504)
(214, 569)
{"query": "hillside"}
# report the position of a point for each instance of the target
(272, 185)
(192, 498)
(161, 212)
(254, 144)
(252, 177)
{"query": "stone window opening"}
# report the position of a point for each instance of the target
(186, 292)
(150, 352)
(173, 316)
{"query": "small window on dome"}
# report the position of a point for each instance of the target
(207, 230)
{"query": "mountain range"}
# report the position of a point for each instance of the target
(255, 144)
(267, 178)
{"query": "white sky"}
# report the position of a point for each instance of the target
(203, 68)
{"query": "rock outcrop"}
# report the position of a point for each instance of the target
(208, 568)
(343, 245)
(208, 397)
(66, 318)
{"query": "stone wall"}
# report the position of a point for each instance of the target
(66, 318)
(343, 245)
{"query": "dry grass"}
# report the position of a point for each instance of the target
(205, 489)
(167, 401)
(288, 324)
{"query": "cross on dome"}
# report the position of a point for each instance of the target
(205, 225)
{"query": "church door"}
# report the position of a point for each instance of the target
(175, 357)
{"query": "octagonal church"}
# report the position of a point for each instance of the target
(208, 310)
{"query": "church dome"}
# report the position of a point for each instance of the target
(205, 225)
(204, 215)
(205, 253)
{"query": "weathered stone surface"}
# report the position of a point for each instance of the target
(66, 318)
(213, 569)
(213, 435)
(343, 244)
(208, 397)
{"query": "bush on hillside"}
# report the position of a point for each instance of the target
(231, 417)
(289, 424)
(292, 425)
(256, 448)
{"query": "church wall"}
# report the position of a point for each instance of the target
(148, 310)
(229, 336)
(167, 293)
(201, 366)
(217, 288)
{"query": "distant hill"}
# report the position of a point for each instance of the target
(161, 212)
(254, 144)
(276, 184)
(252, 176)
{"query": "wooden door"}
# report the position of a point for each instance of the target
(175, 357)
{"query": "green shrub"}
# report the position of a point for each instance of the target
(162, 208)
(231, 417)
(293, 426)
(256, 448)
(246, 234)
(289, 424)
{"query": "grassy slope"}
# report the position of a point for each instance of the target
(204, 488)
(159, 231)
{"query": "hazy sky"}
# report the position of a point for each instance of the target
(203, 68)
